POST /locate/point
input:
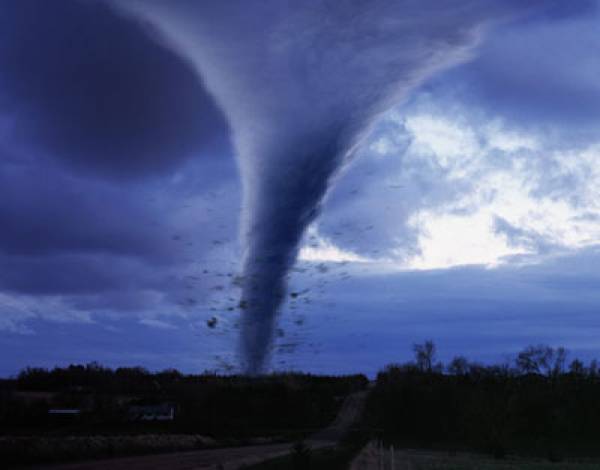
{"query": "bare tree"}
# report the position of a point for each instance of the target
(593, 369)
(459, 366)
(535, 359)
(576, 367)
(425, 355)
(560, 358)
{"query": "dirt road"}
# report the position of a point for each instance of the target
(349, 413)
(227, 458)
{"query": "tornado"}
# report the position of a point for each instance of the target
(301, 82)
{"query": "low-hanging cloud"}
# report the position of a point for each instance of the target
(548, 87)
(300, 85)
(88, 88)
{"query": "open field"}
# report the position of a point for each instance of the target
(374, 458)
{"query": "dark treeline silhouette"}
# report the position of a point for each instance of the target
(207, 404)
(539, 404)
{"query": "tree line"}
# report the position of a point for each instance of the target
(207, 404)
(539, 403)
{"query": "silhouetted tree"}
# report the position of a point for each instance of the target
(560, 358)
(536, 407)
(593, 368)
(535, 359)
(425, 355)
(576, 367)
(459, 366)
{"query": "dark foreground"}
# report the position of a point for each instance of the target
(84, 413)
(374, 457)
(540, 410)
(230, 457)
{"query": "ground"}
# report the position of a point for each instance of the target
(376, 457)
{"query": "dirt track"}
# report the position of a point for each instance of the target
(227, 458)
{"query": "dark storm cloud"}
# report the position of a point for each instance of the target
(85, 92)
(560, 11)
(61, 235)
(68, 274)
(537, 74)
(105, 246)
(44, 211)
(93, 89)
(66, 235)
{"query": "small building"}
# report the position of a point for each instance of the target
(160, 412)
(64, 411)
(64, 415)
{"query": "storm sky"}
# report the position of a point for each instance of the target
(468, 215)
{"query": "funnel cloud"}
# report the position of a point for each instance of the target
(300, 84)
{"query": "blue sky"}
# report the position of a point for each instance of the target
(467, 211)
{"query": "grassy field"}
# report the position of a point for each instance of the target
(426, 460)
(449, 464)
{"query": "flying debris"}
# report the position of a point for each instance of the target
(287, 348)
(322, 268)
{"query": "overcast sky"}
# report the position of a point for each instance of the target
(469, 213)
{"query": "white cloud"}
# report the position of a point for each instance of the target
(508, 140)
(516, 193)
(471, 190)
(449, 143)
(451, 240)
